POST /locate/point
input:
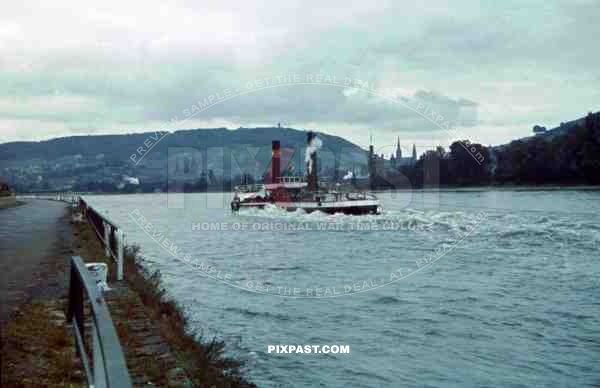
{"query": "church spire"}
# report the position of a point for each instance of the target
(398, 150)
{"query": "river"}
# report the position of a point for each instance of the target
(452, 288)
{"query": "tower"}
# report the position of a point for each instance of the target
(398, 150)
(414, 154)
(371, 163)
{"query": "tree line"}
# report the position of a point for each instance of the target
(572, 157)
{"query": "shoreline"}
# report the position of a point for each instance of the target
(201, 360)
(487, 188)
(450, 189)
(8, 202)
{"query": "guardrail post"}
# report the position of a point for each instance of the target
(109, 366)
(120, 244)
(76, 301)
(106, 239)
(99, 375)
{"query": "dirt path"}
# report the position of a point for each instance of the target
(37, 348)
(34, 240)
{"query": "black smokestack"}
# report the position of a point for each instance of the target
(311, 161)
(276, 161)
(371, 164)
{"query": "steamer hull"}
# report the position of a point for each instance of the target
(350, 207)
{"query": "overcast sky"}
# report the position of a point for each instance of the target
(491, 68)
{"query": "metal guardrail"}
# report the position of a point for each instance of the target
(65, 196)
(109, 368)
(291, 179)
(111, 236)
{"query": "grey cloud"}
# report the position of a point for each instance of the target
(148, 74)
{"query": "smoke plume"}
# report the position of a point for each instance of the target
(314, 145)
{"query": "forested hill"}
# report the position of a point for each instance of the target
(106, 162)
(568, 154)
(118, 147)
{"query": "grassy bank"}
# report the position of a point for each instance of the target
(39, 351)
(202, 360)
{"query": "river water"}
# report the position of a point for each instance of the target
(453, 288)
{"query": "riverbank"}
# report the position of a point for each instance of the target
(484, 188)
(154, 330)
(441, 188)
(8, 202)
